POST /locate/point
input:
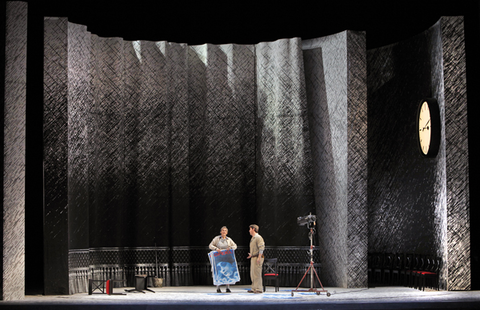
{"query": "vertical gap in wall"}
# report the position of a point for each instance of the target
(3, 12)
(34, 276)
(170, 189)
(255, 138)
(472, 47)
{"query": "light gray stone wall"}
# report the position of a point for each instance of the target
(13, 246)
(335, 69)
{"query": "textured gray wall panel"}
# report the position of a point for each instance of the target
(284, 173)
(222, 138)
(55, 133)
(147, 136)
(335, 70)
(456, 150)
(108, 212)
(79, 102)
(176, 88)
(357, 224)
(13, 243)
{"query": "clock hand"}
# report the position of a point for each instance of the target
(425, 127)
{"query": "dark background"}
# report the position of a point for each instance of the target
(385, 22)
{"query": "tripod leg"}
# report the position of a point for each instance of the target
(303, 277)
(318, 278)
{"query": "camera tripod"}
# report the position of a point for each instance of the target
(312, 270)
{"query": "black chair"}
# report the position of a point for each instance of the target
(419, 266)
(398, 266)
(406, 272)
(429, 277)
(388, 261)
(270, 272)
(377, 266)
(140, 284)
(99, 285)
(370, 268)
(104, 286)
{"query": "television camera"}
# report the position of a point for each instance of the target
(308, 220)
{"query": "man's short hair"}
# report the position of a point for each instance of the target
(255, 227)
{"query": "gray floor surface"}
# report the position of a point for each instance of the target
(205, 297)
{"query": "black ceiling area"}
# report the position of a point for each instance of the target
(200, 22)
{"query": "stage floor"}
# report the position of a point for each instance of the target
(205, 297)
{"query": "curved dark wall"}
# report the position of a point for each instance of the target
(164, 145)
(420, 205)
(173, 143)
(169, 142)
(401, 182)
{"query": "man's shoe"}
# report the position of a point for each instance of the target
(249, 291)
(257, 292)
(219, 290)
(228, 290)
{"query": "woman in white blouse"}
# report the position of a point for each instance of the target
(220, 243)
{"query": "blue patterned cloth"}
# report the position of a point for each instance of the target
(224, 267)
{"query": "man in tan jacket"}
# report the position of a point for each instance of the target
(257, 246)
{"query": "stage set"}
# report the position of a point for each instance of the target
(138, 151)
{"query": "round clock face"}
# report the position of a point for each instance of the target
(424, 128)
(428, 126)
